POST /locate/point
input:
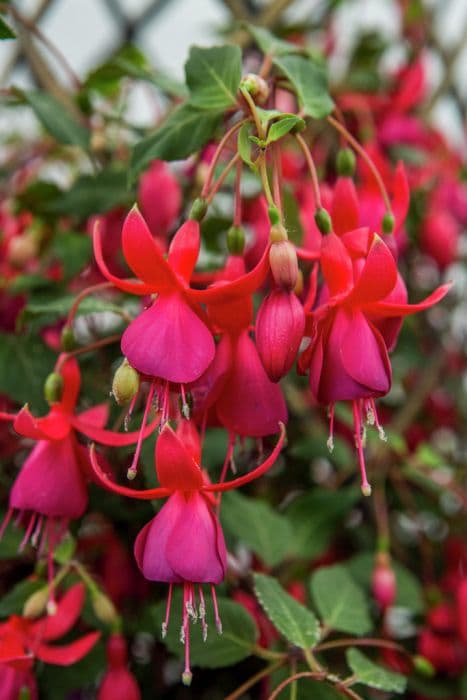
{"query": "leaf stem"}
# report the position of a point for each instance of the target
(220, 181)
(315, 675)
(82, 295)
(267, 671)
(312, 168)
(217, 154)
(86, 348)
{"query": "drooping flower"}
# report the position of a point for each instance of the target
(184, 544)
(118, 682)
(22, 640)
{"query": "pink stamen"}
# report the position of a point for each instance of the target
(134, 465)
(165, 406)
(51, 603)
(28, 532)
(165, 624)
(126, 422)
(216, 610)
(5, 522)
(365, 486)
(330, 442)
(185, 405)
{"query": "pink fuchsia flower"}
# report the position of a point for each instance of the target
(184, 544)
(118, 683)
(23, 640)
(160, 197)
(348, 354)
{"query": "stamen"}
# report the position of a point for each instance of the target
(185, 404)
(51, 603)
(365, 486)
(216, 610)
(330, 441)
(28, 532)
(202, 613)
(5, 522)
(37, 531)
(165, 624)
(370, 413)
(131, 473)
(187, 674)
(228, 460)
(191, 604)
(165, 406)
(126, 420)
(382, 434)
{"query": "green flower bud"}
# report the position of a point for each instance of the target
(345, 162)
(125, 384)
(278, 233)
(256, 86)
(323, 221)
(423, 666)
(387, 224)
(67, 341)
(36, 604)
(235, 240)
(274, 216)
(53, 387)
(104, 609)
(198, 209)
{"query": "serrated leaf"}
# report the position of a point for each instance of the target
(57, 120)
(308, 77)
(372, 675)
(184, 132)
(297, 624)
(12, 603)
(5, 31)
(93, 194)
(283, 126)
(270, 44)
(341, 604)
(213, 76)
(239, 633)
(256, 524)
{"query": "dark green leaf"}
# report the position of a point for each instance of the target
(372, 675)
(64, 681)
(57, 120)
(51, 309)
(12, 603)
(283, 126)
(93, 194)
(213, 76)
(298, 624)
(5, 31)
(25, 362)
(74, 250)
(11, 540)
(38, 195)
(341, 604)
(184, 132)
(258, 525)
(239, 633)
(308, 78)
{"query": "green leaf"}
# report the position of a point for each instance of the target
(74, 250)
(270, 44)
(258, 525)
(65, 550)
(244, 145)
(93, 194)
(283, 126)
(5, 31)
(340, 602)
(12, 603)
(57, 120)
(372, 675)
(50, 309)
(37, 196)
(184, 132)
(298, 624)
(213, 76)
(308, 77)
(25, 362)
(11, 540)
(239, 633)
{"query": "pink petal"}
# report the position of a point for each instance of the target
(67, 654)
(169, 341)
(151, 543)
(336, 265)
(365, 357)
(384, 309)
(110, 437)
(68, 610)
(55, 426)
(71, 385)
(176, 468)
(184, 249)
(378, 276)
(344, 210)
(96, 416)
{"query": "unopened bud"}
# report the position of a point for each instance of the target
(278, 233)
(383, 582)
(235, 240)
(284, 264)
(198, 209)
(125, 383)
(104, 608)
(387, 223)
(256, 86)
(423, 666)
(36, 604)
(22, 249)
(280, 325)
(53, 387)
(323, 221)
(187, 677)
(345, 162)
(67, 340)
(274, 215)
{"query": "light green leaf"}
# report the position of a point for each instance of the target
(283, 126)
(57, 120)
(270, 44)
(5, 31)
(213, 76)
(239, 633)
(308, 77)
(184, 132)
(298, 624)
(74, 250)
(65, 550)
(254, 522)
(372, 675)
(244, 145)
(340, 602)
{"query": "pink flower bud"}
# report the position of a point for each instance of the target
(280, 325)
(284, 265)
(383, 583)
(118, 683)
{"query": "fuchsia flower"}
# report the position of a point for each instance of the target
(23, 640)
(51, 485)
(348, 354)
(118, 683)
(184, 543)
(160, 196)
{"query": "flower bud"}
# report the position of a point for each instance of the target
(387, 223)
(256, 86)
(22, 249)
(323, 221)
(53, 387)
(67, 340)
(104, 609)
(278, 233)
(383, 582)
(235, 240)
(423, 666)
(118, 682)
(274, 215)
(36, 604)
(198, 209)
(284, 264)
(345, 162)
(125, 384)
(280, 325)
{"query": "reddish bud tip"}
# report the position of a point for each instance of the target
(284, 264)
(280, 325)
(383, 582)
